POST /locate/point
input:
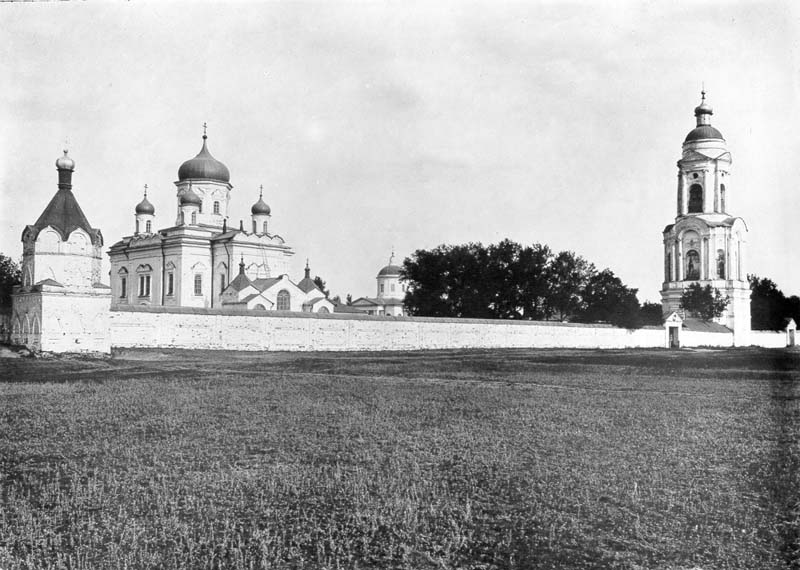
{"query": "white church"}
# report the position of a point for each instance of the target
(198, 261)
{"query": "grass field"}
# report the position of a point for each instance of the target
(454, 459)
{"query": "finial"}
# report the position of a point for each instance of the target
(145, 190)
(703, 92)
(308, 270)
(205, 126)
(391, 257)
(241, 265)
(307, 263)
(260, 190)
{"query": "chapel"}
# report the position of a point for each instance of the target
(391, 290)
(199, 260)
(706, 243)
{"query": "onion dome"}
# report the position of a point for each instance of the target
(65, 162)
(703, 130)
(145, 207)
(260, 208)
(204, 167)
(189, 197)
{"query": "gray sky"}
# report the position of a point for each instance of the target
(374, 125)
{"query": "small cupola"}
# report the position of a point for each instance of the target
(145, 212)
(260, 214)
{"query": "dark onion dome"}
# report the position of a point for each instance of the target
(390, 271)
(703, 108)
(189, 197)
(145, 207)
(260, 208)
(204, 167)
(703, 132)
(65, 162)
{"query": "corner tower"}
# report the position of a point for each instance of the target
(706, 244)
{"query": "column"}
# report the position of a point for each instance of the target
(716, 186)
(704, 260)
(708, 193)
(679, 260)
(680, 192)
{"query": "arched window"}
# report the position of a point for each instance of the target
(283, 300)
(260, 307)
(148, 226)
(221, 283)
(692, 265)
(198, 284)
(216, 207)
(255, 229)
(720, 264)
(265, 227)
(183, 217)
(137, 226)
(194, 218)
(323, 310)
(695, 199)
(722, 198)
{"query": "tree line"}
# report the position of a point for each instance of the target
(508, 280)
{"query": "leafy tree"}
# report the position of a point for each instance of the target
(336, 300)
(568, 275)
(704, 302)
(606, 299)
(349, 299)
(321, 286)
(651, 313)
(10, 275)
(767, 304)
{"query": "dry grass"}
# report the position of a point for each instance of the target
(482, 459)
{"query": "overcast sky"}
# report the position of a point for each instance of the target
(380, 125)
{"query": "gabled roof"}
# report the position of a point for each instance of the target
(239, 283)
(364, 301)
(386, 302)
(314, 301)
(265, 283)
(65, 216)
(699, 325)
(50, 282)
(308, 285)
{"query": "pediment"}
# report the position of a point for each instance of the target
(703, 154)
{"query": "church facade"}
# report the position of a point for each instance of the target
(193, 261)
(706, 243)
(391, 290)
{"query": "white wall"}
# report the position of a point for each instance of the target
(159, 327)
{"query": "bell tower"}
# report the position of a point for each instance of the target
(706, 244)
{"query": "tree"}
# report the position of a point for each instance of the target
(321, 286)
(607, 300)
(704, 302)
(651, 313)
(349, 300)
(767, 304)
(568, 275)
(10, 275)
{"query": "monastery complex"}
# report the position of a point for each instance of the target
(198, 283)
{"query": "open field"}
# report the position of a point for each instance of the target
(452, 459)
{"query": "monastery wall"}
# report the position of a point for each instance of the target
(768, 339)
(167, 327)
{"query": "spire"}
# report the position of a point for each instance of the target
(241, 266)
(308, 270)
(391, 257)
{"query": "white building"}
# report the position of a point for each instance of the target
(706, 244)
(61, 305)
(192, 262)
(391, 290)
